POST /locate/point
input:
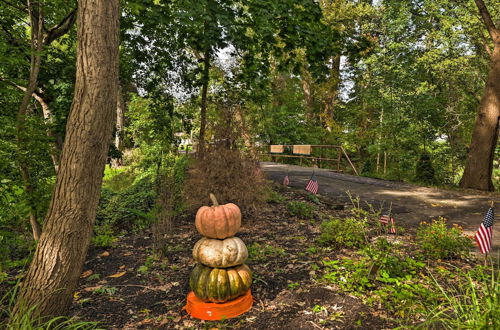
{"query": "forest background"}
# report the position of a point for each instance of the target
(397, 83)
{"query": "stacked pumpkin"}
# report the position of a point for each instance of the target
(220, 274)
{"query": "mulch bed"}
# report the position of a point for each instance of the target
(125, 288)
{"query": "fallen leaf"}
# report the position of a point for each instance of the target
(76, 295)
(122, 266)
(104, 254)
(126, 254)
(86, 273)
(120, 274)
(92, 288)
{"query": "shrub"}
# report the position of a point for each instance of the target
(300, 209)
(425, 171)
(230, 175)
(343, 233)
(126, 209)
(438, 241)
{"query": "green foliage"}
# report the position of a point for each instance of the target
(275, 197)
(440, 242)
(105, 290)
(472, 305)
(126, 209)
(300, 209)
(260, 253)
(343, 233)
(367, 167)
(424, 171)
(104, 236)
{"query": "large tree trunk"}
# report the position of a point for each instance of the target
(479, 164)
(61, 251)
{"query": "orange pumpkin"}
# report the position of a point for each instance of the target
(218, 221)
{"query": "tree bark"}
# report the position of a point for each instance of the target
(61, 251)
(119, 125)
(479, 163)
(203, 111)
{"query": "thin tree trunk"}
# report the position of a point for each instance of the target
(247, 140)
(120, 122)
(47, 116)
(61, 251)
(330, 100)
(203, 112)
(479, 164)
(308, 95)
(36, 23)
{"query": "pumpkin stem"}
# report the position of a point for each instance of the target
(214, 199)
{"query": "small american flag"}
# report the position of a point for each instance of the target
(485, 232)
(286, 180)
(384, 219)
(392, 230)
(312, 185)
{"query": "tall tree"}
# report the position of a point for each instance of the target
(60, 254)
(479, 164)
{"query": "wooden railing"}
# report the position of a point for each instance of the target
(304, 152)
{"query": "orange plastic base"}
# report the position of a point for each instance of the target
(214, 312)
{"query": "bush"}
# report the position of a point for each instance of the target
(302, 210)
(228, 174)
(440, 242)
(127, 209)
(343, 233)
(425, 171)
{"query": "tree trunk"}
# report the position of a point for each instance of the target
(61, 251)
(203, 112)
(332, 92)
(36, 23)
(308, 94)
(119, 125)
(247, 140)
(479, 164)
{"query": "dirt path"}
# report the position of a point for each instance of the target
(410, 203)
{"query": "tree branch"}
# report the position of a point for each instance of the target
(488, 22)
(60, 29)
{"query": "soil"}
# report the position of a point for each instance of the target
(151, 294)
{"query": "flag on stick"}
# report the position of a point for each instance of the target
(312, 185)
(384, 219)
(392, 230)
(485, 232)
(286, 180)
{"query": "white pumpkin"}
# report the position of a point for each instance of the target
(218, 253)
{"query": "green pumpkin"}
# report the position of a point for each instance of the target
(220, 284)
